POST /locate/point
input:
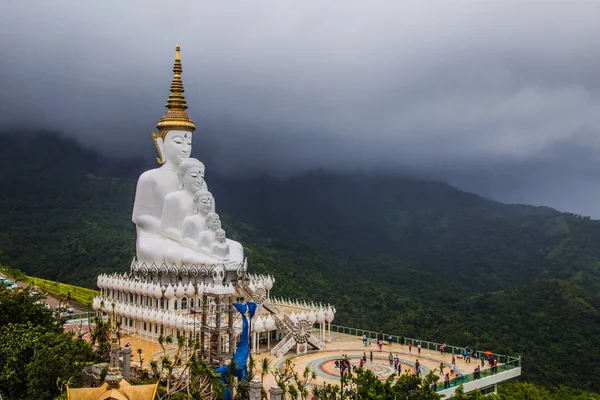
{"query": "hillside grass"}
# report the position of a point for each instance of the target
(78, 294)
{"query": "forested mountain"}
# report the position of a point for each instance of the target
(412, 257)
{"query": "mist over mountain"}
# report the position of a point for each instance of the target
(492, 99)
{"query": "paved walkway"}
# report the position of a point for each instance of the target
(323, 362)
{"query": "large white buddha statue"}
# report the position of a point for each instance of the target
(174, 144)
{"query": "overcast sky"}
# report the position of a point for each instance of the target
(497, 97)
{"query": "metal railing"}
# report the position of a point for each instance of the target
(425, 345)
(484, 373)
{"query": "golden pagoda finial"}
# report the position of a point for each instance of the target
(176, 118)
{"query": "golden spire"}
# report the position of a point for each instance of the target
(176, 118)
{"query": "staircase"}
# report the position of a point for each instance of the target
(284, 345)
(285, 325)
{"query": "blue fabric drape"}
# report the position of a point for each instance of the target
(240, 358)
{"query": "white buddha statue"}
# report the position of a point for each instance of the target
(196, 224)
(181, 204)
(209, 236)
(220, 248)
(174, 144)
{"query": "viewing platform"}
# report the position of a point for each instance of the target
(348, 341)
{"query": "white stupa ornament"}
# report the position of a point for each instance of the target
(293, 317)
(311, 316)
(270, 323)
(169, 292)
(158, 293)
(321, 316)
(329, 314)
(190, 290)
(180, 292)
(258, 326)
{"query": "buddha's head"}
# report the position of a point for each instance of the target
(220, 235)
(213, 221)
(205, 203)
(174, 146)
(191, 175)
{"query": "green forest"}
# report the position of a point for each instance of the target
(408, 256)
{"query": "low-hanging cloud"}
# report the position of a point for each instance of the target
(499, 97)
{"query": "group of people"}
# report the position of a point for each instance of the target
(344, 365)
(452, 376)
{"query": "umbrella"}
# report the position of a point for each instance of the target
(488, 352)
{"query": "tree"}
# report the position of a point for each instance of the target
(19, 307)
(34, 359)
(100, 337)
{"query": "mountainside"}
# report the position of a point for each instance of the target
(412, 257)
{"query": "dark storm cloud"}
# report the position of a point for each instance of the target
(499, 97)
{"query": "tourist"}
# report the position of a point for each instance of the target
(459, 378)
(418, 367)
(371, 356)
(419, 348)
(391, 359)
(446, 381)
(396, 361)
(453, 360)
(365, 340)
(399, 368)
(364, 357)
(409, 347)
(442, 368)
(452, 367)
(390, 338)
(380, 344)
(361, 363)
(482, 361)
